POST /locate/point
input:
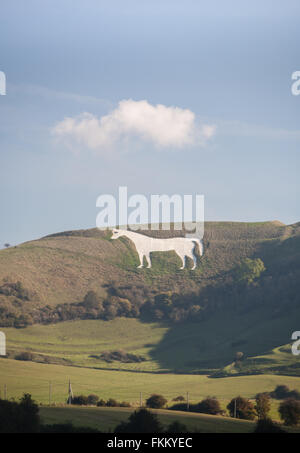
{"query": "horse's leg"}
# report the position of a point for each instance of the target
(194, 258)
(141, 257)
(148, 260)
(182, 257)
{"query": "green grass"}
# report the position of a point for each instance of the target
(186, 347)
(34, 378)
(106, 419)
(76, 341)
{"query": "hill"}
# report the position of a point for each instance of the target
(196, 320)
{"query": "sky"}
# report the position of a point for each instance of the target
(164, 97)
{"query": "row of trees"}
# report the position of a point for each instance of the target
(245, 287)
(238, 407)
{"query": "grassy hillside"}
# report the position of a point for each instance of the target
(106, 419)
(258, 321)
(187, 347)
(63, 267)
(34, 378)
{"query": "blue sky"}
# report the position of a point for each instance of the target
(229, 63)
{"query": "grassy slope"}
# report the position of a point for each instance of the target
(63, 267)
(34, 378)
(184, 347)
(106, 419)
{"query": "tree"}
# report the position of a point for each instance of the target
(92, 300)
(177, 428)
(281, 392)
(80, 400)
(141, 421)
(263, 405)
(156, 401)
(6, 245)
(241, 408)
(179, 398)
(289, 411)
(249, 270)
(266, 425)
(209, 406)
(112, 402)
(22, 417)
(92, 400)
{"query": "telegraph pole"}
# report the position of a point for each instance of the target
(187, 401)
(50, 392)
(5, 391)
(141, 401)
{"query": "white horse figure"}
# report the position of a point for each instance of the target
(184, 247)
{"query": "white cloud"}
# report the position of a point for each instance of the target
(165, 127)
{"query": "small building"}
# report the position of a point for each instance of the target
(2, 344)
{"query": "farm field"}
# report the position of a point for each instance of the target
(106, 419)
(34, 378)
(184, 348)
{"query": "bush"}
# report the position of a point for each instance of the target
(267, 425)
(289, 411)
(25, 356)
(177, 428)
(125, 404)
(156, 401)
(80, 400)
(22, 417)
(242, 408)
(283, 392)
(141, 421)
(263, 405)
(112, 403)
(92, 400)
(101, 403)
(209, 406)
(179, 398)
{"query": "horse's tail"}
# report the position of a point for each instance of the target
(200, 244)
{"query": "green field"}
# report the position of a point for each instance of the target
(185, 347)
(106, 419)
(34, 378)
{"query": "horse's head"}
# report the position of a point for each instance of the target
(116, 233)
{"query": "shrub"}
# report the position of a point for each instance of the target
(125, 404)
(141, 421)
(179, 398)
(101, 403)
(283, 392)
(25, 356)
(241, 408)
(209, 406)
(177, 428)
(92, 399)
(80, 400)
(267, 425)
(22, 417)
(112, 403)
(156, 401)
(263, 405)
(289, 411)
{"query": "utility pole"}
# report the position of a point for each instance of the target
(5, 391)
(187, 401)
(50, 392)
(235, 408)
(141, 401)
